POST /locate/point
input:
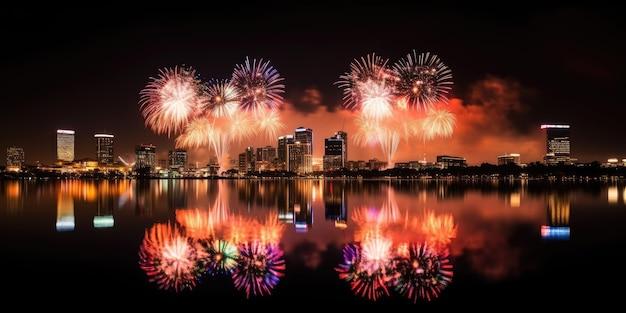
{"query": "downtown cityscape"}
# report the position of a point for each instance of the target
(286, 155)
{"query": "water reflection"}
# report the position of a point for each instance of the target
(558, 217)
(397, 249)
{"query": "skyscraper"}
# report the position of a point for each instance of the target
(335, 154)
(247, 161)
(104, 148)
(305, 136)
(266, 154)
(15, 157)
(298, 158)
(65, 145)
(283, 141)
(557, 143)
(145, 156)
(177, 159)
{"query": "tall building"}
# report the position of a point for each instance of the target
(177, 159)
(281, 151)
(15, 157)
(557, 143)
(145, 156)
(298, 158)
(511, 158)
(247, 161)
(104, 148)
(65, 145)
(305, 136)
(446, 161)
(335, 153)
(266, 154)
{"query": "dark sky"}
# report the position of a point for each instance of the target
(84, 69)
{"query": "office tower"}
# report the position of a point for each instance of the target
(305, 136)
(446, 161)
(511, 158)
(557, 143)
(15, 157)
(281, 151)
(177, 159)
(65, 145)
(145, 156)
(104, 148)
(335, 152)
(298, 158)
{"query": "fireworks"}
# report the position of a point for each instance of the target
(368, 68)
(258, 84)
(423, 80)
(169, 101)
(269, 123)
(221, 256)
(168, 258)
(389, 141)
(197, 134)
(223, 98)
(439, 230)
(438, 123)
(370, 284)
(423, 274)
(259, 269)
(376, 97)
(240, 127)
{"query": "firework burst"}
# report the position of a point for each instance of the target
(376, 99)
(197, 134)
(269, 123)
(368, 283)
(169, 101)
(439, 230)
(259, 269)
(168, 258)
(438, 123)
(368, 68)
(221, 256)
(258, 84)
(423, 274)
(423, 80)
(223, 98)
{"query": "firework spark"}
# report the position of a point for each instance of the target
(240, 127)
(221, 256)
(438, 123)
(223, 98)
(168, 258)
(423, 80)
(259, 269)
(389, 140)
(197, 134)
(370, 284)
(258, 84)
(439, 230)
(169, 101)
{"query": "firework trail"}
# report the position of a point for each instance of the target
(389, 141)
(168, 258)
(258, 84)
(169, 101)
(259, 269)
(439, 230)
(422, 80)
(223, 98)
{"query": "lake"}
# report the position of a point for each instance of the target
(180, 243)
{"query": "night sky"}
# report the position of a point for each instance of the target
(83, 70)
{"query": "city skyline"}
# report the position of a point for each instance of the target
(491, 87)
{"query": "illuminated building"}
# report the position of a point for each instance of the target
(281, 151)
(247, 161)
(355, 165)
(557, 144)
(376, 164)
(447, 161)
(145, 157)
(305, 136)
(265, 158)
(298, 158)
(104, 148)
(511, 158)
(15, 157)
(335, 151)
(65, 145)
(177, 159)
